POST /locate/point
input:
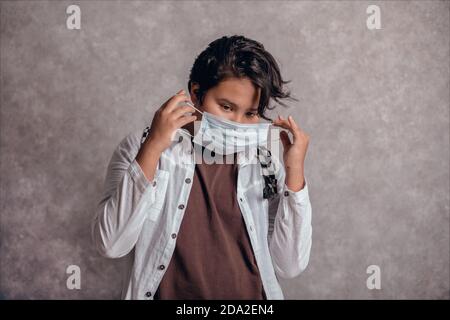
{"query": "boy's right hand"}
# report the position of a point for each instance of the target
(168, 118)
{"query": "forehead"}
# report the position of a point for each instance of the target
(240, 91)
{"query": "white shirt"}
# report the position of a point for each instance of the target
(139, 219)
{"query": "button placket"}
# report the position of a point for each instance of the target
(249, 221)
(174, 235)
(181, 206)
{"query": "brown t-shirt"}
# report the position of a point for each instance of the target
(213, 257)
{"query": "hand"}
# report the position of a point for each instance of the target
(293, 153)
(168, 118)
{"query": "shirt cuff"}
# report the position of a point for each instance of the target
(139, 177)
(300, 197)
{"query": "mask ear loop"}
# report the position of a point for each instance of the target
(192, 105)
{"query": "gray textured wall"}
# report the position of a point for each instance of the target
(375, 103)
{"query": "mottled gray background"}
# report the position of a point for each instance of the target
(375, 103)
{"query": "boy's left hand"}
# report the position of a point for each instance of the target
(293, 152)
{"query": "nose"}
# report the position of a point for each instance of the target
(236, 118)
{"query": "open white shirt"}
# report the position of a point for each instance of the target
(140, 219)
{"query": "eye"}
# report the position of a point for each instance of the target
(226, 107)
(252, 114)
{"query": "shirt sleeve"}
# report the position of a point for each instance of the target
(126, 201)
(290, 229)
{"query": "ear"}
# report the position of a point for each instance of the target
(193, 92)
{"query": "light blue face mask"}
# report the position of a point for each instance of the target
(224, 136)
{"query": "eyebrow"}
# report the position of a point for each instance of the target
(234, 104)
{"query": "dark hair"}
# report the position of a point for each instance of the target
(238, 56)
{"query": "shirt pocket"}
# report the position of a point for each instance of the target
(156, 207)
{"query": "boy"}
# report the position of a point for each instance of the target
(207, 230)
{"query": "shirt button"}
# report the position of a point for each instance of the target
(180, 139)
(251, 228)
(148, 294)
(286, 193)
(154, 183)
(174, 235)
(187, 180)
(181, 206)
(161, 267)
(240, 199)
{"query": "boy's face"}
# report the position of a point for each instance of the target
(235, 99)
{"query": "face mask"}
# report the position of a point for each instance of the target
(224, 136)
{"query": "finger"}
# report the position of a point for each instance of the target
(175, 100)
(168, 100)
(284, 137)
(184, 120)
(282, 123)
(280, 119)
(293, 123)
(290, 125)
(295, 129)
(180, 111)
